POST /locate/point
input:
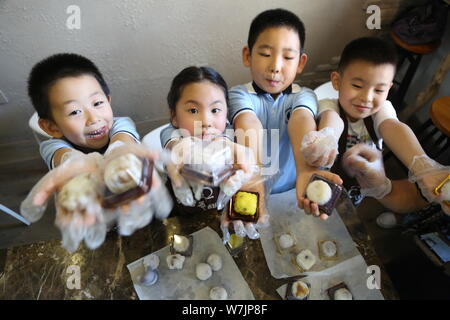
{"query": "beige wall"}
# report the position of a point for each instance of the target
(140, 45)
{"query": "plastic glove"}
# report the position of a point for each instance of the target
(320, 148)
(181, 154)
(122, 172)
(365, 163)
(248, 229)
(78, 209)
(247, 169)
(428, 174)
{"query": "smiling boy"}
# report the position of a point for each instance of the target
(73, 102)
(272, 101)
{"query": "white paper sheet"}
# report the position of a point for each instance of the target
(285, 216)
(183, 284)
(352, 272)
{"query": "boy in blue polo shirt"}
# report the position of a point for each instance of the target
(275, 56)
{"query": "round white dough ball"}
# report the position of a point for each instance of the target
(78, 193)
(445, 190)
(123, 173)
(203, 271)
(151, 261)
(329, 248)
(343, 294)
(286, 241)
(218, 293)
(215, 261)
(175, 261)
(180, 243)
(318, 191)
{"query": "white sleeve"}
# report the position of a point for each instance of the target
(387, 111)
(328, 104)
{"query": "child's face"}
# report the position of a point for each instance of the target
(275, 59)
(81, 112)
(363, 87)
(204, 103)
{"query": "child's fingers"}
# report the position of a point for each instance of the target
(324, 216)
(331, 176)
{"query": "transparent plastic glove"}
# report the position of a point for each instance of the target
(320, 148)
(248, 229)
(122, 172)
(181, 154)
(34, 205)
(245, 170)
(428, 174)
(365, 163)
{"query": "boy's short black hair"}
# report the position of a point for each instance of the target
(192, 75)
(46, 72)
(275, 18)
(369, 49)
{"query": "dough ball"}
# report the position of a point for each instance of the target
(151, 261)
(446, 191)
(329, 248)
(78, 193)
(286, 241)
(149, 278)
(218, 293)
(175, 261)
(203, 271)
(215, 261)
(180, 243)
(306, 259)
(123, 173)
(299, 289)
(343, 294)
(318, 191)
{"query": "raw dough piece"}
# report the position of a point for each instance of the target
(343, 294)
(175, 261)
(123, 173)
(215, 261)
(306, 259)
(203, 271)
(218, 293)
(180, 243)
(329, 248)
(151, 261)
(286, 241)
(319, 191)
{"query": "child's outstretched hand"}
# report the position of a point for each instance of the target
(79, 214)
(183, 152)
(122, 171)
(365, 163)
(303, 179)
(428, 174)
(320, 148)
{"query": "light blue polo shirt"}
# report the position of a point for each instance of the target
(48, 147)
(274, 115)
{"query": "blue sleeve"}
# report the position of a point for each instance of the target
(48, 148)
(169, 133)
(306, 99)
(238, 100)
(124, 124)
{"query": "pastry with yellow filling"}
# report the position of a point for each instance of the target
(245, 203)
